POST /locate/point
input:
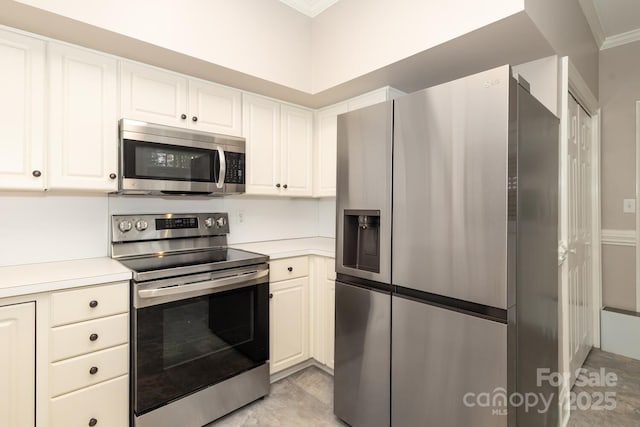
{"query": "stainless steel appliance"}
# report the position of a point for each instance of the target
(473, 256)
(157, 159)
(199, 318)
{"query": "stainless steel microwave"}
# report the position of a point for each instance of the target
(157, 159)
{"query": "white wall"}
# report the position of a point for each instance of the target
(327, 217)
(43, 227)
(354, 37)
(262, 38)
(542, 75)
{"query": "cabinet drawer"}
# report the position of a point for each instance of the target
(73, 340)
(288, 268)
(73, 374)
(89, 303)
(331, 268)
(107, 403)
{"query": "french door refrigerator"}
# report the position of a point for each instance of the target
(473, 258)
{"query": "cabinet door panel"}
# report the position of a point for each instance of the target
(326, 150)
(261, 122)
(289, 323)
(153, 95)
(297, 149)
(217, 108)
(17, 365)
(83, 119)
(21, 112)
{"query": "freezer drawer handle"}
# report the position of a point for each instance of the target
(200, 286)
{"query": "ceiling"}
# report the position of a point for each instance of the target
(613, 22)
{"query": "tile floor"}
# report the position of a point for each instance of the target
(306, 399)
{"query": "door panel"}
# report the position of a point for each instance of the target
(362, 356)
(438, 357)
(450, 157)
(297, 149)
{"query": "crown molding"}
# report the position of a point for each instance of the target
(620, 39)
(590, 12)
(311, 8)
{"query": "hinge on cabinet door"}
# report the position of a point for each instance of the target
(563, 251)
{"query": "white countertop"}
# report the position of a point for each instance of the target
(27, 279)
(276, 249)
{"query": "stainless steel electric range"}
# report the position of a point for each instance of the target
(199, 318)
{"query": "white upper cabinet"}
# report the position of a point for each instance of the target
(22, 112)
(326, 125)
(154, 95)
(279, 148)
(216, 108)
(83, 117)
(326, 137)
(296, 151)
(261, 122)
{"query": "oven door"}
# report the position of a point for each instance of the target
(192, 335)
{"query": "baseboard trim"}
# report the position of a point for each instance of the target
(299, 367)
(618, 237)
(621, 332)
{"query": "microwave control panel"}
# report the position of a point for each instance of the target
(235, 168)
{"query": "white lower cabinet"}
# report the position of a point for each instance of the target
(289, 323)
(302, 311)
(103, 405)
(17, 365)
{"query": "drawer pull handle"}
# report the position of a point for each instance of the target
(93, 370)
(93, 337)
(93, 422)
(290, 269)
(93, 304)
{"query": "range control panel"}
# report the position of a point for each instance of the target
(127, 228)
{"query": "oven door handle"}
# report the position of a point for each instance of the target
(187, 288)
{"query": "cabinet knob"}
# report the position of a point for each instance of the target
(93, 304)
(290, 269)
(270, 296)
(113, 175)
(93, 370)
(93, 337)
(285, 186)
(93, 422)
(277, 185)
(194, 118)
(183, 116)
(37, 173)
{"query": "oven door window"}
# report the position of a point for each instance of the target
(187, 345)
(146, 160)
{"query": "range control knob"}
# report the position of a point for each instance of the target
(141, 225)
(208, 222)
(124, 226)
(221, 222)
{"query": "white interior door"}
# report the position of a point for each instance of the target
(579, 280)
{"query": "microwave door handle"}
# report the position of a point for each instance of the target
(223, 168)
(204, 285)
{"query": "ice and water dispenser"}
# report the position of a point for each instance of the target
(361, 243)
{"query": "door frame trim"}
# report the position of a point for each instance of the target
(637, 231)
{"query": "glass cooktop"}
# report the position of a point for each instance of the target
(176, 264)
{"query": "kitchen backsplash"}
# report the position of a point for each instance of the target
(46, 227)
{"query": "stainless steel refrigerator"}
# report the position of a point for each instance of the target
(447, 257)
